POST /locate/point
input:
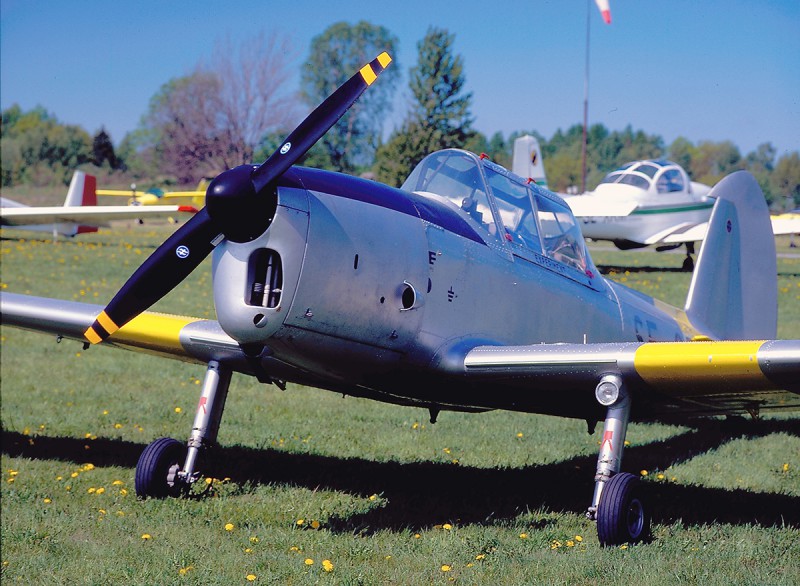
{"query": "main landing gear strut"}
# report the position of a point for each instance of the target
(167, 467)
(617, 505)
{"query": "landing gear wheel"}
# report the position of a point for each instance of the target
(157, 469)
(621, 516)
(688, 264)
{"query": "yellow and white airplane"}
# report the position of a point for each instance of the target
(643, 203)
(468, 289)
(80, 213)
(195, 198)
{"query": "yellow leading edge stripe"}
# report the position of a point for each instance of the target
(697, 360)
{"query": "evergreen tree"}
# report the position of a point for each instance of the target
(439, 116)
(103, 150)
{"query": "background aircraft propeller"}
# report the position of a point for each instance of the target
(240, 204)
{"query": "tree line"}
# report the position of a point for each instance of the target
(235, 108)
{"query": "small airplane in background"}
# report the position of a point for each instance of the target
(468, 289)
(80, 213)
(643, 203)
(196, 197)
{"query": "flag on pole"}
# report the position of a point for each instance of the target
(605, 11)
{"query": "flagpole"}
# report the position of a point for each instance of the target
(585, 99)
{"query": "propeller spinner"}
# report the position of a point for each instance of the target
(240, 204)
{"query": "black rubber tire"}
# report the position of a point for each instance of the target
(621, 514)
(153, 468)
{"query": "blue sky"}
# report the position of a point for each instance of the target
(705, 70)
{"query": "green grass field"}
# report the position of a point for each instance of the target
(313, 488)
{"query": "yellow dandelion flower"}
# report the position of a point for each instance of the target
(248, 550)
(101, 490)
(251, 577)
(117, 483)
(480, 556)
(520, 435)
(327, 565)
(578, 538)
(660, 476)
(570, 543)
(643, 472)
(447, 526)
(415, 425)
(254, 539)
(470, 564)
(373, 497)
(309, 562)
(523, 536)
(786, 467)
(446, 450)
(105, 411)
(178, 409)
(146, 536)
(417, 536)
(301, 521)
(228, 526)
(102, 511)
(91, 490)
(315, 524)
(117, 426)
(184, 571)
(47, 501)
(624, 546)
(123, 491)
(446, 568)
(294, 548)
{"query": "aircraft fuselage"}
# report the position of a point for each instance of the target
(365, 282)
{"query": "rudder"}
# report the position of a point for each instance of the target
(734, 289)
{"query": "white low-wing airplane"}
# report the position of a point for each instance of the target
(467, 289)
(643, 203)
(80, 213)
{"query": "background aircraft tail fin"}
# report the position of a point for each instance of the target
(82, 192)
(527, 160)
(734, 289)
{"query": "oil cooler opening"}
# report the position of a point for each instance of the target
(265, 278)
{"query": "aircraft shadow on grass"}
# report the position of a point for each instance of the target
(422, 494)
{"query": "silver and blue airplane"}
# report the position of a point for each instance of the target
(468, 289)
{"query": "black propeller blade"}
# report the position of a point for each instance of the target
(240, 204)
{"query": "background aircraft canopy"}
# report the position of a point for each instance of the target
(655, 176)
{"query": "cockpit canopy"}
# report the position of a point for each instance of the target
(655, 176)
(508, 210)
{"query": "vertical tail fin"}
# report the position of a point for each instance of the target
(82, 192)
(734, 289)
(527, 160)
